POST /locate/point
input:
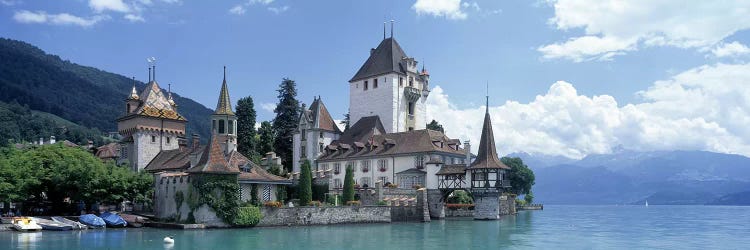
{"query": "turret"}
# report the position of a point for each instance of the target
(223, 121)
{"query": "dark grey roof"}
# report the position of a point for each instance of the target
(362, 130)
(408, 142)
(452, 169)
(386, 58)
(487, 154)
(412, 171)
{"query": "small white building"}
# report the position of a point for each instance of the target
(315, 131)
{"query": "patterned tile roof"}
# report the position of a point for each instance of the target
(155, 104)
(321, 118)
(224, 105)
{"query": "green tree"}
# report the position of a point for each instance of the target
(460, 197)
(346, 121)
(529, 197)
(305, 184)
(348, 185)
(254, 194)
(521, 176)
(265, 138)
(286, 121)
(246, 139)
(434, 125)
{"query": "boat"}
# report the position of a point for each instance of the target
(74, 224)
(52, 225)
(647, 203)
(92, 221)
(25, 224)
(133, 220)
(113, 220)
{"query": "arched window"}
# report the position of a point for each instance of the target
(222, 128)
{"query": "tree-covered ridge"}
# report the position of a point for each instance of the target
(80, 94)
(20, 124)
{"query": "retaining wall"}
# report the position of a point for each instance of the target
(301, 216)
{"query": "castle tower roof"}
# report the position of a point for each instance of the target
(155, 104)
(487, 154)
(321, 118)
(133, 94)
(224, 105)
(386, 58)
(213, 160)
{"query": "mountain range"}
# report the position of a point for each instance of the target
(79, 94)
(631, 177)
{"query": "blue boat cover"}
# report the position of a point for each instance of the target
(113, 220)
(91, 220)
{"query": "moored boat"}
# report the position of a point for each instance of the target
(92, 221)
(52, 225)
(113, 220)
(25, 224)
(133, 220)
(74, 224)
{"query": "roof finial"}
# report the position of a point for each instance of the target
(392, 21)
(383, 30)
(154, 71)
(149, 73)
(487, 104)
(225, 73)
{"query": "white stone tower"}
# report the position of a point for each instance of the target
(223, 121)
(390, 86)
(150, 124)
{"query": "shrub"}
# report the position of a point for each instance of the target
(382, 203)
(348, 185)
(353, 203)
(276, 204)
(248, 216)
(305, 184)
(315, 203)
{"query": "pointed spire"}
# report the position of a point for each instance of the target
(224, 105)
(487, 153)
(133, 92)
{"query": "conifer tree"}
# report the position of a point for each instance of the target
(265, 138)
(246, 140)
(305, 184)
(286, 121)
(434, 125)
(348, 185)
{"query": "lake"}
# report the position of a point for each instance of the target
(578, 227)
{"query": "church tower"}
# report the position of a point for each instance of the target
(223, 121)
(150, 124)
(390, 86)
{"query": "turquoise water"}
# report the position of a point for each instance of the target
(557, 227)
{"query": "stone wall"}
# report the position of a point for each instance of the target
(436, 203)
(507, 204)
(486, 206)
(459, 213)
(301, 216)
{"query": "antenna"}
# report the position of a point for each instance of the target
(392, 21)
(383, 30)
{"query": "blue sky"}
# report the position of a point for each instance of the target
(528, 51)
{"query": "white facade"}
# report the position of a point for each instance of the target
(146, 145)
(389, 100)
(368, 170)
(315, 140)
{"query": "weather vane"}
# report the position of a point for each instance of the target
(151, 61)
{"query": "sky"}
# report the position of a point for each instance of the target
(566, 77)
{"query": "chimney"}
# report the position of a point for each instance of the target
(196, 141)
(182, 143)
(467, 147)
(372, 50)
(52, 140)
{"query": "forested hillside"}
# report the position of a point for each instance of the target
(80, 94)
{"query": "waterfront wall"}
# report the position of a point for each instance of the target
(507, 204)
(301, 216)
(463, 212)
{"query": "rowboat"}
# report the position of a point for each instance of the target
(92, 221)
(74, 224)
(52, 225)
(25, 224)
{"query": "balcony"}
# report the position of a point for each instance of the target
(412, 94)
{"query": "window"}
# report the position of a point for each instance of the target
(352, 164)
(375, 83)
(364, 182)
(337, 183)
(411, 81)
(411, 108)
(337, 168)
(383, 165)
(323, 167)
(231, 128)
(266, 192)
(400, 81)
(321, 148)
(213, 126)
(321, 135)
(222, 129)
(303, 152)
(168, 140)
(153, 138)
(365, 166)
(365, 86)
(303, 135)
(419, 161)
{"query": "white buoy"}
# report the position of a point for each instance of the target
(168, 240)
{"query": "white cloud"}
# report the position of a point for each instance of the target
(241, 8)
(134, 18)
(628, 25)
(704, 108)
(238, 10)
(450, 9)
(268, 107)
(41, 17)
(9, 2)
(278, 10)
(105, 5)
(732, 49)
